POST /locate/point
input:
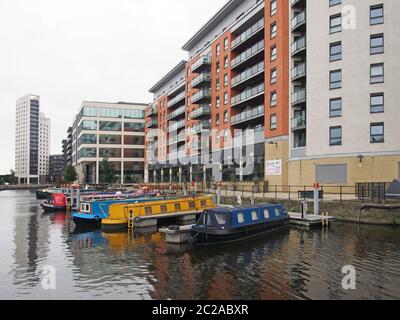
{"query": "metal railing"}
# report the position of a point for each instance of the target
(248, 115)
(248, 33)
(258, 47)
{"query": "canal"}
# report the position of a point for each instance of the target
(89, 264)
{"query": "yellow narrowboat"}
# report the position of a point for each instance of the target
(123, 216)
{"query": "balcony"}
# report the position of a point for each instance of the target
(203, 78)
(204, 110)
(298, 21)
(150, 112)
(203, 62)
(298, 46)
(248, 95)
(248, 74)
(297, 3)
(180, 97)
(249, 136)
(179, 138)
(177, 125)
(176, 113)
(299, 122)
(203, 94)
(299, 72)
(249, 34)
(198, 128)
(249, 55)
(299, 96)
(248, 115)
(152, 123)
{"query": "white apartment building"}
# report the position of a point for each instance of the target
(114, 131)
(32, 141)
(345, 75)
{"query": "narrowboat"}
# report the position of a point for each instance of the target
(58, 202)
(122, 214)
(92, 211)
(43, 194)
(224, 225)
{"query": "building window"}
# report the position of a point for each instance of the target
(335, 23)
(335, 52)
(335, 107)
(377, 44)
(218, 67)
(377, 73)
(217, 86)
(273, 99)
(226, 80)
(273, 122)
(273, 76)
(273, 53)
(377, 103)
(334, 2)
(335, 79)
(273, 7)
(217, 102)
(377, 132)
(226, 44)
(217, 119)
(376, 14)
(273, 30)
(218, 49)
(335, 136)
(226, 98)
(226, 62)
(225, 116)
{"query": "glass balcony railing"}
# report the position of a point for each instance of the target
(151, 123)
(204, 110)
(179, 138)
(248, 115)
(299, 96)
(177, 99)
(199, 127)
(246, 55)
(254, 29)
(298, 46)
(298, 20)
(203, 61)
(248, 74)
(203, 77)
(176, 112)
(299, 122)
(248, 94)
(299, 71)
(202, 94)
(177, 125)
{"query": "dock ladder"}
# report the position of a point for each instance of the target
(131, 220)
(325, 219)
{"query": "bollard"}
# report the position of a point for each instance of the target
(304, 207)
(219, 194)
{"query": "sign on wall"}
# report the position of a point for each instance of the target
(274, 168)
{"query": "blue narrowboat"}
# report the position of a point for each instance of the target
(93, 211)
(227, 224)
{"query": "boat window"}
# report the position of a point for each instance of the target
(240, 218)
(277, 212)
(266, 214)
(221, 218)
(254, 215)
(192, 205)
(203, 203)
(177, 206)
(163, 208)
(148, 210)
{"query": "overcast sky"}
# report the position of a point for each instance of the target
(68, 51)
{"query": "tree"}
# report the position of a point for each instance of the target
(107, 172)
(70, 174)
(13, 178)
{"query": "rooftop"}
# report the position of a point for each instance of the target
(174, 72)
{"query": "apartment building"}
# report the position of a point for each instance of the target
(113, 131)
(232, 94)
(345, 72)
(32, 141)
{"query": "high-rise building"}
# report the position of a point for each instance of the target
(314, 80)
(56, 168)
(32, 141)
(113, 131)
(233, 86)
(345, 72)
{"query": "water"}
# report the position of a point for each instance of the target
(294, 264)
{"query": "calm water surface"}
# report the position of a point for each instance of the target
(295, 264)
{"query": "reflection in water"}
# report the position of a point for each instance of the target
(293, 264)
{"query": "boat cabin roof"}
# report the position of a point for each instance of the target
(228, 210)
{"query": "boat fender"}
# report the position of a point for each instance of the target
(97, 218)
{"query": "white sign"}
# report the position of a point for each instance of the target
(274, 168)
